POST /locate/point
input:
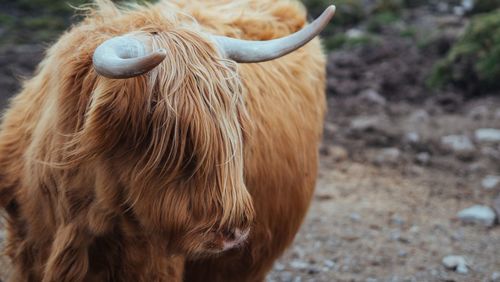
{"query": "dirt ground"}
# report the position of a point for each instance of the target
(398, 162)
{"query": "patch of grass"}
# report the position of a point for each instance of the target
(484, 6)
(472, 64)
(349, 12)
(376, 22)
(6, 20)
(409, 32)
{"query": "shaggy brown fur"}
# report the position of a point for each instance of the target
(145, 179)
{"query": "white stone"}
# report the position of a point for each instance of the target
(372, 96)
(458, 143)
(490, 182)
(495, 277)
(388, 156)
(420, 116)
(298, 264)
(468, 4)
(423, 158)
(354, 33)
(457, 263)
(488, 135)
(412, 137)
(478, 214)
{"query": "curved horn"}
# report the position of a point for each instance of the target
(244, 51)
(125, 56)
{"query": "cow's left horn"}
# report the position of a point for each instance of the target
(244, 51)
(126, 56)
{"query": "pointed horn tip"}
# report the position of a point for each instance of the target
(330, 10)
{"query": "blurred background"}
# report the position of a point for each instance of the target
(409, 186)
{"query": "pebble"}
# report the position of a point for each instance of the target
(479, 112)
(388, 156)
(419, 116)
(495, 277)
(457, 263)
(337, 153)
(412, 137)
(397, 220)
(478, 214)
(423, 158)
(458, 143)
(299, 264)
(365, 123)
(490, 182)
(373, 97)
(487, 135)
(402, 253)
(329, 263)
(355, 217)
(354, 33)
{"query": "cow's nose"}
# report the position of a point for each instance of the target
(235, 238)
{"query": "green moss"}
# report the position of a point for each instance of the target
(409, 32)
(6, 20)
(473, 62)
(376, 22)
(349, 12)
(484, 6)
(389, 6)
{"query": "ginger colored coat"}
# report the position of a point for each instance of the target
(143, 179)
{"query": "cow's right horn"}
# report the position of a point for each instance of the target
(247, 51)
(125, 56)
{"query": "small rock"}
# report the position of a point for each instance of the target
(457, 263)
(478, 214)
(458, 11)
(364, 123)
(458, 143)
(479, 112)
(354, 33)
(412, 137)
(468, 4)
(419, 116)
(337, 153)
(487, 135)
(423, 158)
(279, 266)
(397, 220)
(490, 182)
(330, 127)
(355, 216)
(388, 156)
(443, 7)
(414, 229)
(373, 97)
(495, 277)
(329, 263)
(298, 264)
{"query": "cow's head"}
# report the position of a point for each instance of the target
(166, 115)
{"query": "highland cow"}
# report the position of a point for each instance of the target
(165, 142)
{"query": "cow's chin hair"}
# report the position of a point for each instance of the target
(183, 122)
